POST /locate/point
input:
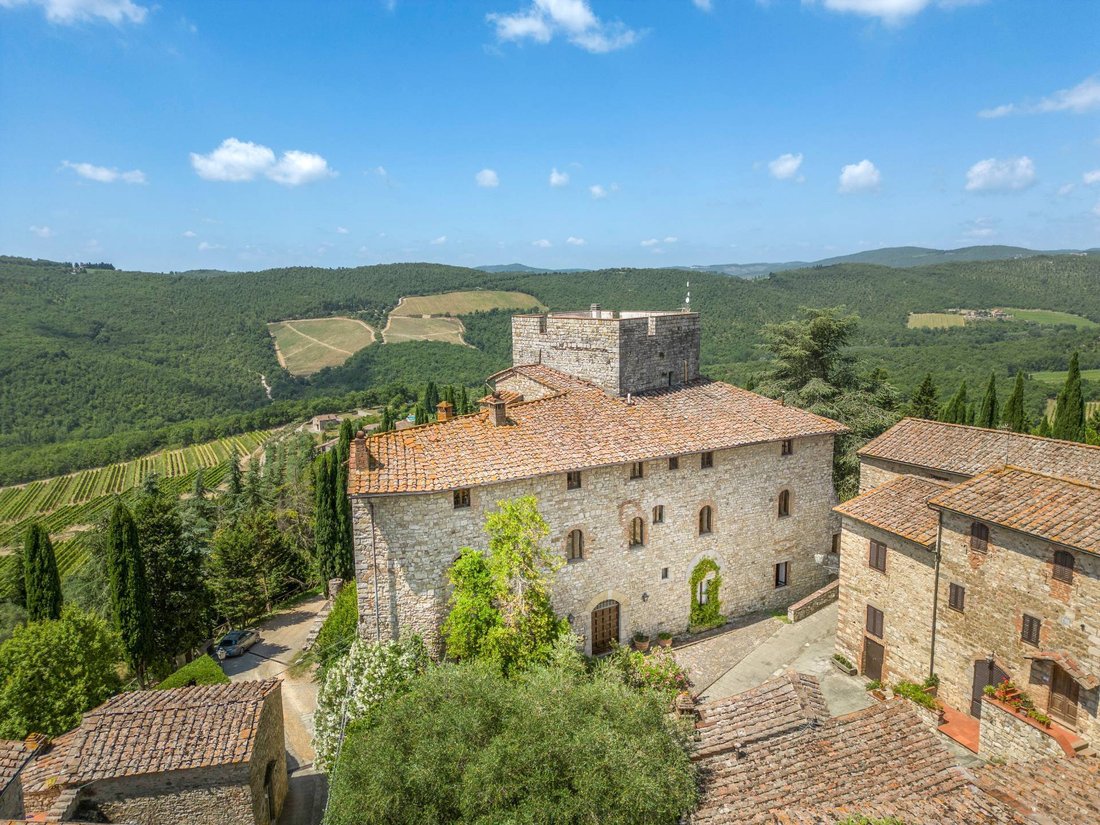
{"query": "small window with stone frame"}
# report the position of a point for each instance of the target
(784, 503)
(782, 572)
(462, 498)
(664, 574)
(659, 514)
(637, 469)
(575, 546)
(674, 462)
(956, 597)
(706, 460)
(706, 520)
(1029, 630)
(979, 537)
(573, 480)
(787, 447)
(637, 532)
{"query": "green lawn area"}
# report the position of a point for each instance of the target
(935, 320)
(465, 302)
(1048, 316)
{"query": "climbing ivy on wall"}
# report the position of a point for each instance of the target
(708, 613)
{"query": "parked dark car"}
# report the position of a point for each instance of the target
(235, 643)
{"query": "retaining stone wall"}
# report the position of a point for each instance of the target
(814, 602)
(1004, 736)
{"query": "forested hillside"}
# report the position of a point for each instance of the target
(104, 365)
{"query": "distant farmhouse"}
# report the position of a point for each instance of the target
(974, 554)
(654, 481)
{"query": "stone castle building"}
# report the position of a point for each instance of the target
(642, 468)
(974, 554)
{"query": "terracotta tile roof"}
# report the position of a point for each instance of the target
(967, 451)
(899, 507)
(549, 377)
(13, 756)
(966, 806)
(149, 731)
(1049, 791)
(777, 753)
(572, 429)
(507, 396)
(1085, 678)
(1057, 509)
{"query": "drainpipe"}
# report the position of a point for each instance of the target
(936, 594)
(374, 564)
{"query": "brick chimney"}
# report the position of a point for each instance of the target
(498, 411)
(444, 411)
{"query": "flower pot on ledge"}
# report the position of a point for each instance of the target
(664, 639)
(641, 643)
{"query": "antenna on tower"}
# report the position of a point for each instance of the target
(687, 300)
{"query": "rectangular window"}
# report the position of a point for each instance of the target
(876, 557)
(874, 621)
(637, 469)
(706, 461)
(462, 498)
(836, 543)
(979, 538)
(1063, 566)
(781, 571)
(1030, 630)
(956, 598)
(788, 447)
(659, 514)
(674, 463)
(573, 480)
(664, 573)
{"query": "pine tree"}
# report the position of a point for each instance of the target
(43, 584)
(988, 414)
(955, 411)
(925, 401)
(1069, 410)
(1015, 417)
(198, 489)
(129, 590)
(254, 493)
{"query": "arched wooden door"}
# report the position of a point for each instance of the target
(605, 626)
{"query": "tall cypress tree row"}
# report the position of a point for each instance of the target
(1069, 411)
(431, 397)
(343, 503)
(43, 584)
(129, 589)
(956, 410)
(988, 413)
(1015, 417)
(326, 535)
(925, 401)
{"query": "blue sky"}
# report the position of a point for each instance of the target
(562, 133)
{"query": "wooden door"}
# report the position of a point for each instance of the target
(873, 654)
(1063, 698)
(985, 673)
(605, 626)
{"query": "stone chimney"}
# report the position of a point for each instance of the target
(444, 411)
(595, 310)
(498, 411)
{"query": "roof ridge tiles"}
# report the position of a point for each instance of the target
(1011, 433)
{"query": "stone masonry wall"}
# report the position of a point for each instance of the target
(903, 593)
(269, 749)
(185, 797)
(411, 540)
(806, 607)
(1013, 578)
(874, 472)
(527, 387)
(1003, 736)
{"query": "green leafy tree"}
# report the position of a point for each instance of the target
(17, 578)
(956, 410)
(43, 584)
(202, 671)
(1069, 409)
(235, 575)
(464, 744)
(474, 615)
(55, 670)
(130, 606)
(925, 401)
(988, 414)
(1092, 429)
(1014, 415)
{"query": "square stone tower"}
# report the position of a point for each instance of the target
(621, 352)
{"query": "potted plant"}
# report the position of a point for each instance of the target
(932, 685)
(664, 639)
(840, 661)
(641, 642)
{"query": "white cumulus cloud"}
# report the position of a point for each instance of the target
(104, 174)
(67, 12)
(487, 179)
(650, 242)
(442, 239)
(703, 5)
(237, 160)
(206, 247)
(190, 234)
(1091, 178)
(41, 231)
(1084, 97)
(558, 178)
(859, 177)
(785, 166)
(599, 191)
(994, 175)
(671, 239)
(341, 230)
(542, 243)
(574, 20)
(892, 12)
(572, 241)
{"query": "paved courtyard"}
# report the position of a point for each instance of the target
(707, 659)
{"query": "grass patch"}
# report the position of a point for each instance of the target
(464, 303)
(1049, 316)
(203, 671)
(1058, 377)
(934, 320)
(309, 345)
(1090, 407)
(407, 328)
(781, 615)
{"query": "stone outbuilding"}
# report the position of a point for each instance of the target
(662, 489)
(209, 753)
(974, 554)
(14, 757)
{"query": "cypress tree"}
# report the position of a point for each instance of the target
(198, 489)
(1069, 410)
(431, 397)
(1044, 427)
(129, 590)
(925, 401)
(1015, 417)
(235, 484)
(956, 412)
(17, 577)
(988, 413)
(43, 584)
(326, 534)
(420, 411)
(343, 503)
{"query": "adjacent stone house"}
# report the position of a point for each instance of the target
(975, 554)
(210, 753)
(14, 756)
(643, 470)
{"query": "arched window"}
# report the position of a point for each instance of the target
(1063, 566)
(574, 545)
(637, 532)
(784, 503)
(706, 517)
(979, 537)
